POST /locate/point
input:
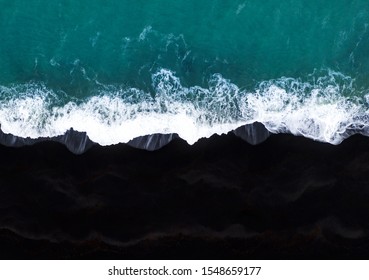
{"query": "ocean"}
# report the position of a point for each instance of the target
(122, 125)
(119, 70)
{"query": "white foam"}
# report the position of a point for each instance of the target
(317, 110)
(323, 115)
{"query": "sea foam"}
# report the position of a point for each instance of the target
(322, 108)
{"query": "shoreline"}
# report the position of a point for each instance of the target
(79, 142)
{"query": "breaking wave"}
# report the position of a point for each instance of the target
(325, 108)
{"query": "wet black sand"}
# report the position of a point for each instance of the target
(288, 197)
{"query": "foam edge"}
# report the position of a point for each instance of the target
(79, 142)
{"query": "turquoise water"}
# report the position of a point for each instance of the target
(122, 69)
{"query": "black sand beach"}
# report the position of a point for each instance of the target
(222, 198)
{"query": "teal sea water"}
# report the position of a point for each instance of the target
(122, 69)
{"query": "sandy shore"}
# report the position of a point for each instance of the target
(288, 197)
